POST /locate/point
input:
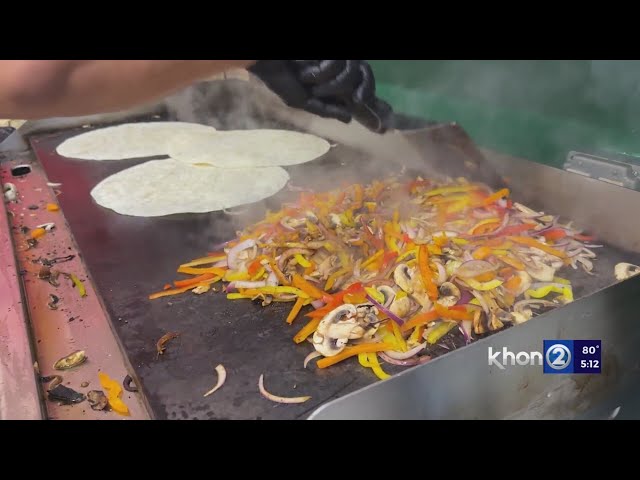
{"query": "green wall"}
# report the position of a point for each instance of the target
(536, 109)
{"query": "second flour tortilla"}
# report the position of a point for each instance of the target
(247, 148)
(166, 187)
(130, 140)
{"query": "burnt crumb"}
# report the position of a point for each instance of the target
(33, 207)
(71, 319)
(24, 230)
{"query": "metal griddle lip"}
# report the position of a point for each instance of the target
(48, 137)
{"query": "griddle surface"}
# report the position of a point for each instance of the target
(129, 258)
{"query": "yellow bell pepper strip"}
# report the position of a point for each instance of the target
(426, 273)
(204, 261)
(311, 268)
(375, 294)
(544, 291)
(307, 330)
(372, 259)
(483, 286)
(349, 352)
(567, 293)
(536, 244)
(375, 366)
(460, 241)
(52, 207)
(199, 271)
(78, 284)
(114, 391)
(167, 293)
(564, 281)
(399, 338)
(334, 277)
(194, 280)
(408, 253)
(231, 276)
(416, 335)
(371, 206)
(281, 278)
(37, 233)
(419, 319)
(295, 310)
(258, 275)
(496, 196)
(307, 287)
(255, 266)
(303, 262)
(275, 291)
(363, 359)
(439, 331)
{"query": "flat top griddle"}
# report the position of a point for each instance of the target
(130, 257)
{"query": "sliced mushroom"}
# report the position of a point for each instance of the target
(449, 294)
(403, 277)
(478, 327)
(623, 271)
(495, 323)
(334, 330)
(523, 316)
(388, 293)
(401, 307)
(334, 220)
(525, 283)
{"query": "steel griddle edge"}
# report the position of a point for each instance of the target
(130, 257)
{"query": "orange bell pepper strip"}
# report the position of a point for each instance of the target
(513, 283)
(482, 253)
(496, 196)
(512, 262)
(307, 287)
(37, 233)
(536, 244)
(307, 330)
(418, 320)
(426, 273)
(584, 238)
(200, 271)
(295, 310)
(193, 281)
(352, 351)
(114, 392)
(451, 313)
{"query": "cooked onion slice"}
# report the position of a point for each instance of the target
(275, 398)
(310, 357)
(222, 376)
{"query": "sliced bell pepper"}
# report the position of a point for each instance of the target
(37, 233)
(194, 280)
(167, 293)
(426, 273)
(496, 196)
(452, 314)
(232, 276)
(512, 262)
(295, 310)
(275, 291)
(419, 319)
(544, 291)
(78, 284)
(114, 391)
(375, 294)
(513, 284)
(439, 331)
(307, 287)
(584, 238)
(204, 260)
(387, 259)
(200, 271)
(554, 234)
(541, 246)
(482, 253)
(375, 366)
(363, 359)
(349, 352)
(52, 207)
(275, 269)
(372, 258)
(483, 286)
(307, 330)
(334, 277)
(399, 338)
(416, 335)
(448, 190)
(485, 226)
(258, 275)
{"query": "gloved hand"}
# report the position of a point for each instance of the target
(340, 89)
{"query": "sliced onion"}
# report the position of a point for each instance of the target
(483, 302)
(473, 268)
(442, 273)
(272, 279)
(466, 327)
(276, 398)
(317, 304)
(310, 357)
(482, 214)
(222, 376)
(465, 297)
(290, 253)
(405, 363)
(386, 311)
(232, 256)
(220, 264)
(408, 354)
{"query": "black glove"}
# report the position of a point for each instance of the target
(340, 89)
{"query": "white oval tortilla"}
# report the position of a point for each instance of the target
(166, 187)
(247, 148)
(130, 140)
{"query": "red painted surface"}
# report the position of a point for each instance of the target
(80, 323)
(19, 391)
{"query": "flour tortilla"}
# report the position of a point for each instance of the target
(247, 148)
(165, 187)
(130, 140)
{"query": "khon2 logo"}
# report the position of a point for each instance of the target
(557, 357)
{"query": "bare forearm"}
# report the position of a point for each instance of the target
(41, 88)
